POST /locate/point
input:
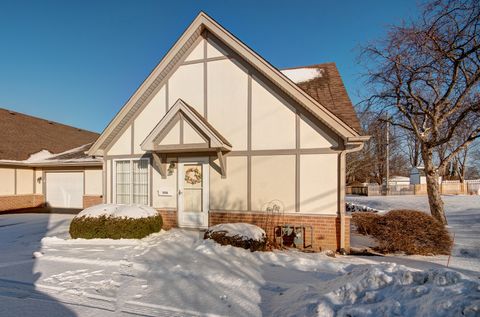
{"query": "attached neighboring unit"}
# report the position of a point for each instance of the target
(44, 163)
(216, 134)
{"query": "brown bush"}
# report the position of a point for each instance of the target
(365, 221)
(236, 241)
(409, 231)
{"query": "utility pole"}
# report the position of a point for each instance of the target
(387, 154)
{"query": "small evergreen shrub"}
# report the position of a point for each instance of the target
(104, 227)
(409, 231)
(236, 241)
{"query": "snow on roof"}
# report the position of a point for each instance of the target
(300, 75)
(72, 156)
(39, 156)
(118, 211)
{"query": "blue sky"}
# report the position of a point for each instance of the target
(77, 62)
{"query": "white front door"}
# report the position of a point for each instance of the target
(193, 194)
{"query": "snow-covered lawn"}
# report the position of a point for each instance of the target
(177, 273)
(463, 216)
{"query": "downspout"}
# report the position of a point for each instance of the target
(355, 146)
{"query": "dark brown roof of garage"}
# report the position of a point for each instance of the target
(328, 89)
(22, 135)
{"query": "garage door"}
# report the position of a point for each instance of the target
(64, 190)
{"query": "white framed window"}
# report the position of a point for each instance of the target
(131, 181)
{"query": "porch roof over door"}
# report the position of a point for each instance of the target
(182, 130)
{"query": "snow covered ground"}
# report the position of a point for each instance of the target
(463, 216)
(177, 273)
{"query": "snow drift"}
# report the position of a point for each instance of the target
(245, 231)
(385, 289)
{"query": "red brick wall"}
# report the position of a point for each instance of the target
(89, 201)
(13, 202)
(169, 218)
(326, 229)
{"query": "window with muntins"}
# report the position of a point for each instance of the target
(131, 182)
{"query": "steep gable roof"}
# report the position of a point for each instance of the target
(324, 83)
(22, 135)
(201, 23)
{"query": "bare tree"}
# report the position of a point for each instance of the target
(413, 149)
(426, 74)
(369, 165)
(460, 161)
(473, 164)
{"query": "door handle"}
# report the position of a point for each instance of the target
(179, 192)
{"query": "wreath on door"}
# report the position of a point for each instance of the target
(193, 176)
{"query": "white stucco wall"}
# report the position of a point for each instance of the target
(319, 183)
(227, 93)
(273, 178)
(215, 49)
(273, 120)
(173, 136)
(7, 183)
(190, 135)
(160, 185)
(197, 51)
(229, 193)
(24, 181)
(149, 118)
(187, 83)
(93, 182)
(311, 136)
(123, 145)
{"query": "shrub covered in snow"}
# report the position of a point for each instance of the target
(115, 222)
(243, 235)
(351, 207)
(409, 231)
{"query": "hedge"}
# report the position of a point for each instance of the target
(114, 227)
(236, 241)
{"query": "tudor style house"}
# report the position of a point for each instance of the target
(215, 134)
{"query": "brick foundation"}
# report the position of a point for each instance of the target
(326, 229)
(169, 218)
(89, 200)
(14, 202)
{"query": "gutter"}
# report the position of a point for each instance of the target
(50, 164)
(353, 144)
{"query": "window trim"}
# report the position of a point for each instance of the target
(114, 174)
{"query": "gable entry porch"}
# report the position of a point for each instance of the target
(185, 134)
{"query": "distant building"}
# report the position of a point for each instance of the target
(417, 176)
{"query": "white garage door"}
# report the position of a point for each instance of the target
(64, 190)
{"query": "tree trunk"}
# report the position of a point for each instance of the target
(433, 190)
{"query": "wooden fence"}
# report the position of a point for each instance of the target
(470, 187)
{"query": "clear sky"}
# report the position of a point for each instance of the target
(78, 62)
